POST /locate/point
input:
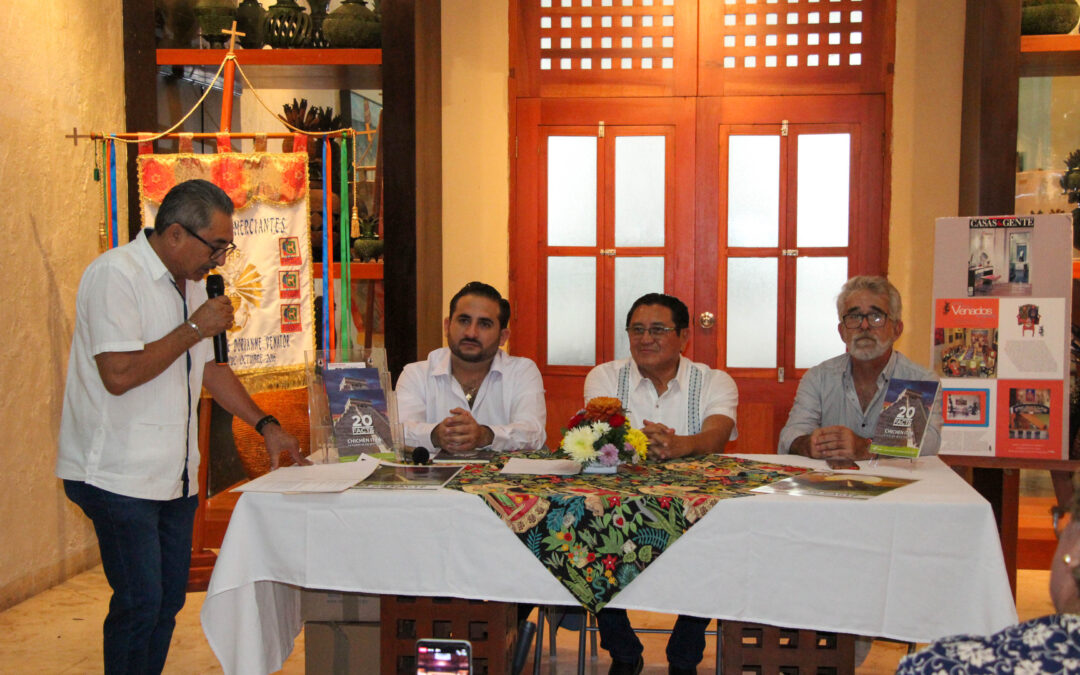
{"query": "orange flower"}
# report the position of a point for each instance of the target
(293, 180)
(229, 174)
(602, 407)
(157, 179)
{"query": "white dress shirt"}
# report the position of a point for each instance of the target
(716, 393)
(510, 400)
(132, 444)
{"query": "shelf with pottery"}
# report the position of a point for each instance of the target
(1049, 55)
(271, 57)
(290, 68)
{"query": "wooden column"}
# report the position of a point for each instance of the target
(399, 181)
(989, 118)
(140, 85)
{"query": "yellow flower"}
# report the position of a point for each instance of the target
(578, 444)
(637, 438)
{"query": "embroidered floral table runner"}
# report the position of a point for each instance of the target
(596, 533)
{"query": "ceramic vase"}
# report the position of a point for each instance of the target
(318, 16)
(1048, 17)
(286, 25)
(249, 20)
(215, 16)
(353, 25)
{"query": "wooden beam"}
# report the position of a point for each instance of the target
(399, 182)
(140, 83)
(989, 118)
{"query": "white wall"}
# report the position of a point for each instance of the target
(64, 69)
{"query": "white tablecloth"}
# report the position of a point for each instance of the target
(921, 562)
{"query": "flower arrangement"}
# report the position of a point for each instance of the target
(600, 434)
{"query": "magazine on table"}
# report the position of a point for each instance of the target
(901, 428)
(408, 477)
(834, 484)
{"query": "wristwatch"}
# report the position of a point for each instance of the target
(261, 424)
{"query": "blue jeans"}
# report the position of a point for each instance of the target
(146, 553)
(685, 647)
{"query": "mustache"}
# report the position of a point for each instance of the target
(469, 341)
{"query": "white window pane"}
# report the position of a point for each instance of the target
(817, 283)
(751, 312)
(634, 277)
(639, 190)
(753, 193)
(823, 189)
(571, 191)
(571, 317)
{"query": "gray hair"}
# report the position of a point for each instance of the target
(191, 204)
(877, 286)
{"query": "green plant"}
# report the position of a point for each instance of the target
(1070, 180)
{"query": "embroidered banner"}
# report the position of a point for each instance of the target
(269, 276)
(596, 533)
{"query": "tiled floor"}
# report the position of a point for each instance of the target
(59, 631)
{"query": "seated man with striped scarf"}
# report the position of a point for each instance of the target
(684, 408)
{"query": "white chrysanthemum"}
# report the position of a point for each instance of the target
(578, 444)
(600, 428)
(1037, 635)
(1028, 667)
(975, 653)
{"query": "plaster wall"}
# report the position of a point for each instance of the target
(925, 151)
(927, 98)
(475, 128)
(65, 69)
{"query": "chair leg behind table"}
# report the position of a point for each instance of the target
(538, 651)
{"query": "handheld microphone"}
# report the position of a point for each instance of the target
(421, 456)
(215, 288)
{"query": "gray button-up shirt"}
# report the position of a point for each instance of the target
(827, 397)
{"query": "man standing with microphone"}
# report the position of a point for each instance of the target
(128, 451)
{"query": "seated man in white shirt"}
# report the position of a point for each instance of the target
(839, 400)
(684, 408)
(471, 394)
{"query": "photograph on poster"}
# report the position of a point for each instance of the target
(965, 407)
(965, 337)
(961, 433)
(1029, 413)
(999, 259)
(1029, 418)
(1030, 338)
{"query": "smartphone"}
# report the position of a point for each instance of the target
(443, 656)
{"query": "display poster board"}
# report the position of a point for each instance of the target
(1000, 341)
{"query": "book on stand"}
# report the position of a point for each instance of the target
(901, 428)
(352, 407)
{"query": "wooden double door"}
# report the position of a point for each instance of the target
(752, 210)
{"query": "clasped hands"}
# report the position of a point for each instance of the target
(460, 432)
(663, 443)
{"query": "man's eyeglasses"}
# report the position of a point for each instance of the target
(216, 252)
(656, 332)
(874, 319)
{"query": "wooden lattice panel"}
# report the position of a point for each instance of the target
(794, 46)
(700, 47)
(604, 47)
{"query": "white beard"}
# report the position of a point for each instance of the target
(867, 352)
